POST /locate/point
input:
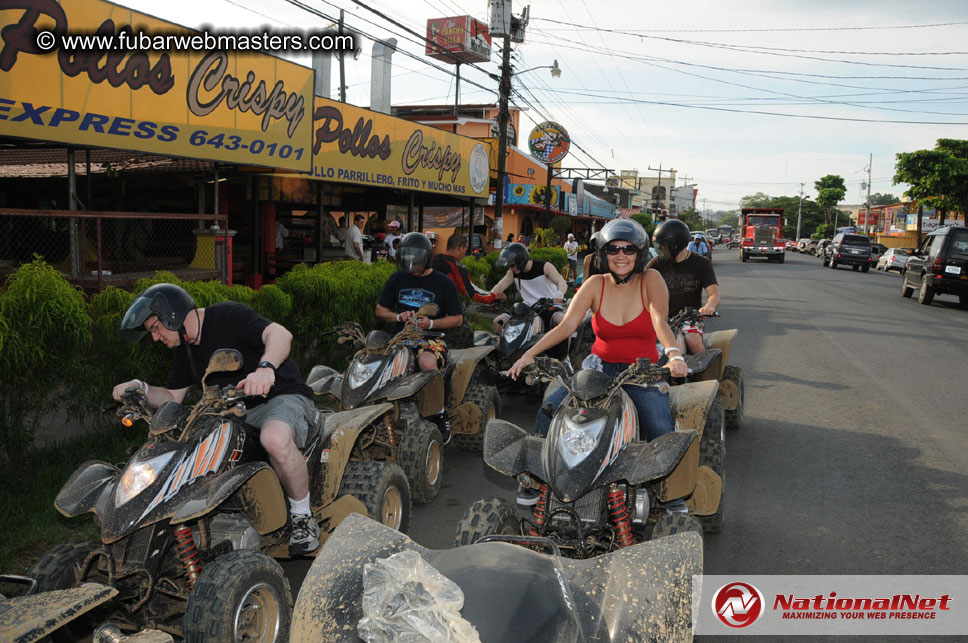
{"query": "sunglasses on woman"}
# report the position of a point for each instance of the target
(614, 250)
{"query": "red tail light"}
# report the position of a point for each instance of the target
(938, 266)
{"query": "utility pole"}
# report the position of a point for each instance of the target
(658, 189)
(342, 65)
(799, 212)
(502, 124)
(867, 219)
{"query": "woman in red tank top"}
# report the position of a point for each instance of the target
(631, 309)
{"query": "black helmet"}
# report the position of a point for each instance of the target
(623, 230)
(515, 255)
(674, 235)
(170, 302)
(414, 253)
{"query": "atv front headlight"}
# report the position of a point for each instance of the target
(578, 439)
(513, 331)
(361, 372)
(139, 475)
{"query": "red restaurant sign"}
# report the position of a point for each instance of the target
(458, 39)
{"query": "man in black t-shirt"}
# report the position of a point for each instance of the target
(686, 275)
(414, 284)
(284, 415)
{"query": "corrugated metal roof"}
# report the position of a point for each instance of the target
(52, 162)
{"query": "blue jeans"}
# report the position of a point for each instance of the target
(655, 417)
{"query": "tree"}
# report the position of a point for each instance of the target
(758, 200)
(830, 192)
(644, 220)
(884, 199)
(692, 218)
(938, 177)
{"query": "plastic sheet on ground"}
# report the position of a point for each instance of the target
(406, 600)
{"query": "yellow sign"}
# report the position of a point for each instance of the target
(355, 145)
(83, 73)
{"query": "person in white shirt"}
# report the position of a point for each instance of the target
(393, 233)
(354, 238)
(534, 280)
(281, 234)
(571, 247)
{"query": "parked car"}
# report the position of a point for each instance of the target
(877, 249)
(894, 259)
(852, 250)
(791, 245)
(817, 250)
(939, 266)
(803, 245)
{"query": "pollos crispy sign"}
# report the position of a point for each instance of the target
(246, 108)
(356, 145)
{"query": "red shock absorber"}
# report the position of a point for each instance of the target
(620, 516)
(540, 509)
(185, 545)
(391, 427)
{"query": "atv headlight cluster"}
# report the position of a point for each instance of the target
(513, 331)
(139, 475)
(578, 439)
(361, 372)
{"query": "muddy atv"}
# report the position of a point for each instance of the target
(506, 592)
(599, 487)
(191, 527)
(382, 377)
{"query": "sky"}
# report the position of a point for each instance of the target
(739, 97)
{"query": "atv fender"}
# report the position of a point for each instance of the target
(88, 489)
(707, 365)
(33, 616)
(690, 403)
(721, 339)
(427, 386)
(642, 462)
(463, 361)
(510, 450)
(484, 338)
(262, 499)
(653, 601)
(338, 439)
(708, 493)
(325, 381)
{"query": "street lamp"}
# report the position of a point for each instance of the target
(502, 121)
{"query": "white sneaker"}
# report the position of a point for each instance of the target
(305, 535)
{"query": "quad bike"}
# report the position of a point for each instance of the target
(711, 364)
(31, 616)
(382, 379)
(600, 488)
(509, 593)
(191, 526)
(523, 329)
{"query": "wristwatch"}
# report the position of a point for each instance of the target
(266, 364)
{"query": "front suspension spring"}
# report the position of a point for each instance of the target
(540, 510)
(188, 554)
(620, 516)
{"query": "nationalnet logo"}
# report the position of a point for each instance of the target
(738, 604)
(829, 605)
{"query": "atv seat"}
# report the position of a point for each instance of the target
(706, 365)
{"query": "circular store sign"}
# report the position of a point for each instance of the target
(549, 142)
(479, 169)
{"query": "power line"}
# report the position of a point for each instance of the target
(636, 32)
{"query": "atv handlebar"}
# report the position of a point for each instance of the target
(642, 373)
(689, 315)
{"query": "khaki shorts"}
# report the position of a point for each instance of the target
(295, 410)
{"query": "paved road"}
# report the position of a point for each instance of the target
(853, 457)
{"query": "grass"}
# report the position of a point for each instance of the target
(29, 523)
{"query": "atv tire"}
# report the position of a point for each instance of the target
(713, 434)
(487, 517)
(421, 456)
(676, 523)
(382, 488)
(486, 397)
(56, 570)
(734, 418)
(240, 596)
(715, 458)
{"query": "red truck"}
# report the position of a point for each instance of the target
(762, 234)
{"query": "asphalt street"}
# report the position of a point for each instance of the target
(853, 455)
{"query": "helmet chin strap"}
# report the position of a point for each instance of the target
(622, 280)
